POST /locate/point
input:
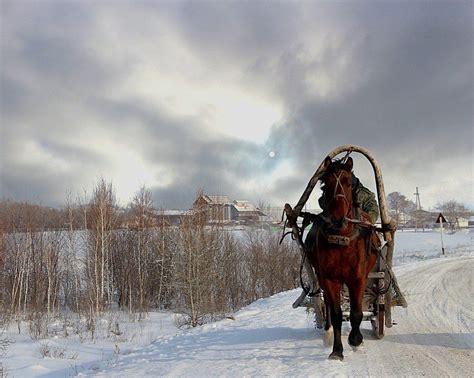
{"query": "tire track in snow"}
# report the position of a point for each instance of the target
(434, 335)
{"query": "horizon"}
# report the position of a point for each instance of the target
(124, 206)
(242, 99)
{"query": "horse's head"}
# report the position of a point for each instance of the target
(337, 188)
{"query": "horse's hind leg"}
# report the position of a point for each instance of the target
(356, 293)
(332, 291)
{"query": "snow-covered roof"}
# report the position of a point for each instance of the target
(218, 199)
(242, 205)
(172, 212)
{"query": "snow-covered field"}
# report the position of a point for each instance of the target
(434, 335)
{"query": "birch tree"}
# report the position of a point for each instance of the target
(101, 219)
(142, 210)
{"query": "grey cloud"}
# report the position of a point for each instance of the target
(415, 103)
(233, 29)
(49, 59)
(218, 165)
(406, 91)
(43, 186)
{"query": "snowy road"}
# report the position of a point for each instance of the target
(434, 336)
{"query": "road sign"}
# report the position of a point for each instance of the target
(440, 218)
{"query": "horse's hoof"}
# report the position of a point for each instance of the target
(355, 339)
(356, 348)
(336, 356)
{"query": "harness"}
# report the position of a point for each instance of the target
(328, 229)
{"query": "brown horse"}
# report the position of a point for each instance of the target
(344, 252)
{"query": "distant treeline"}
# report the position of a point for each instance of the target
(24, 216)
(201, 271)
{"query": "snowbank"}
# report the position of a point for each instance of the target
(434, 336)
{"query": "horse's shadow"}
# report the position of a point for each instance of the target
(463, 341)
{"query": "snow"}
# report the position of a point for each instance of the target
(413, 246)
(433, 336)
(78, 352)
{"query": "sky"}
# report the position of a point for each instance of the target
(239, 98)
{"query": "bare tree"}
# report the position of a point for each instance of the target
(142, 210)
(3, 275)
(101, 219)
(53, 247)
(398, 204)
(165, 251)
(30, 267)
(71, 262)
(84, 260)
(124, 267)
(452, 210)
(194, 270)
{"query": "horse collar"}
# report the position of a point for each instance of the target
(330, 234)
(338, 239)
(342, 240)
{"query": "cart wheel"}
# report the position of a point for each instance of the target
(388, 310)
(378, 322)
(319, 311)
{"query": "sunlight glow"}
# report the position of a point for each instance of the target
(183, 85)
(128, 171)
(218, 109)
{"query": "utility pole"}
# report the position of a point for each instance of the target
(418, 210)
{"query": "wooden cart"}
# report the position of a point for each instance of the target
(382, 291)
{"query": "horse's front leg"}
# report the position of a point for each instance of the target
(332, 291)
(356, 294)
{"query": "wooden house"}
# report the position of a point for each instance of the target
(218, 208)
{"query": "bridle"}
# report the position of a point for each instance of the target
(342, 194)
(340, 232)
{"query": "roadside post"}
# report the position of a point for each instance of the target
(441, 220)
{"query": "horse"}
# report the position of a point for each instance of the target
(343, 253)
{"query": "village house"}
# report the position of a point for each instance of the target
(245, 212)
(214, 208)
(219, 208)
(170, 217)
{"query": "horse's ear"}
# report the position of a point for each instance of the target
(327, 162)
(349, 164)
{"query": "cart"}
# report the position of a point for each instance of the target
(382, 291)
